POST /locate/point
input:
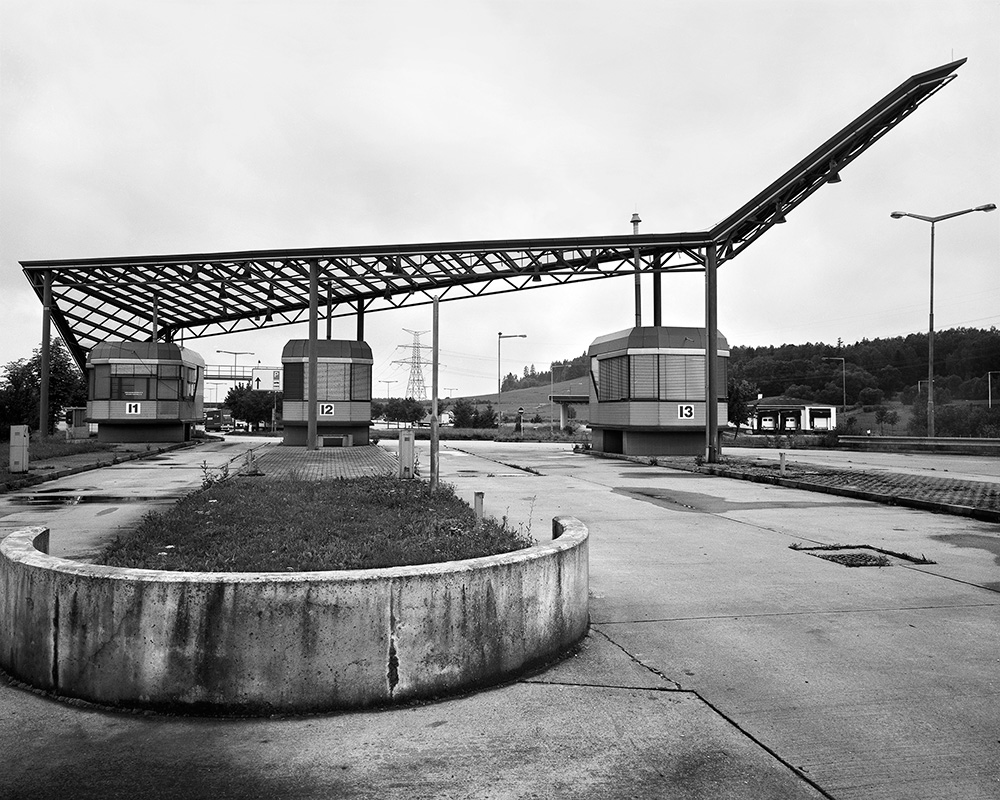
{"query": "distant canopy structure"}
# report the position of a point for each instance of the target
(168, 297)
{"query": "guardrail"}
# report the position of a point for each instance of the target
(922, 444)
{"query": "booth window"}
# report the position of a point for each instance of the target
(614, 378)
(334, 381)
(361, 382)
(168, 382)
(643, 372)
(293, 381)
(661, 377)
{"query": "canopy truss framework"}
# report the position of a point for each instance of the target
(205, 294)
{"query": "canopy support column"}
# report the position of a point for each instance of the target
(311, 396)
(45, 366)
(711, 357)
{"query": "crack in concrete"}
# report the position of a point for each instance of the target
(638, 661)
(722, 715)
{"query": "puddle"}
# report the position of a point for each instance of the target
(54, 500)
(705, 503)
(666, 472)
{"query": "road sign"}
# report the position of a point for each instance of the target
(266, 380)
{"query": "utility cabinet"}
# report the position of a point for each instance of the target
(18, 448)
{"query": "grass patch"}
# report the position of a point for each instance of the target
(44, 447)
(294, 525)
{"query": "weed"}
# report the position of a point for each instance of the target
(210, 477)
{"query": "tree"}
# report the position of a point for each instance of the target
(741, 397)
(409, 410)
(18, 396)
(487, 418)
(20, 388)
(250, 405)
(870, 396)
(464, 414)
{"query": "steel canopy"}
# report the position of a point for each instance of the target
(204, 294)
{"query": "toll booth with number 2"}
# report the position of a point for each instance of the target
(343, 392)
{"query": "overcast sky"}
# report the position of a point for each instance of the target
(167, 126)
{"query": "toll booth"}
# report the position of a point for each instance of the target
(343, 392)
(647, 391)
(144, 391)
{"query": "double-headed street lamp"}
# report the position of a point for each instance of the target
(501, 336)
(930, 336)
(235, 354)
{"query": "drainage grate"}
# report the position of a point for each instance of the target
(861, 555)
(856, 559)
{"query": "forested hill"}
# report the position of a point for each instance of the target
(564, 370)
(962, 359)
(884, 367)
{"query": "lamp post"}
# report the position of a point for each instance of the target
(989, 388)
(552, 379)
(235, 354)
(501, 336)
(843, 364)
(930, 326)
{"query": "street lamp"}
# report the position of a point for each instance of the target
(552, 380)
(843, 364)
(501, 336)
(930, 327)
(989, 388)
(236, 354)
(387, 385)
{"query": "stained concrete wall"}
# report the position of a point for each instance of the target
(258, 643)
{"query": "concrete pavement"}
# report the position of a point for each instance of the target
(84, 508)
(720, 663)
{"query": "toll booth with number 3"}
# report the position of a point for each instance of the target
(647, 392)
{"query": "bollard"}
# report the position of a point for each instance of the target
(407, 454)
(782, 463)
(477, 505)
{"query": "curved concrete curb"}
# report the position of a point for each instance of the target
(264, 643)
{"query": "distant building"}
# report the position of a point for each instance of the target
(790, 415)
